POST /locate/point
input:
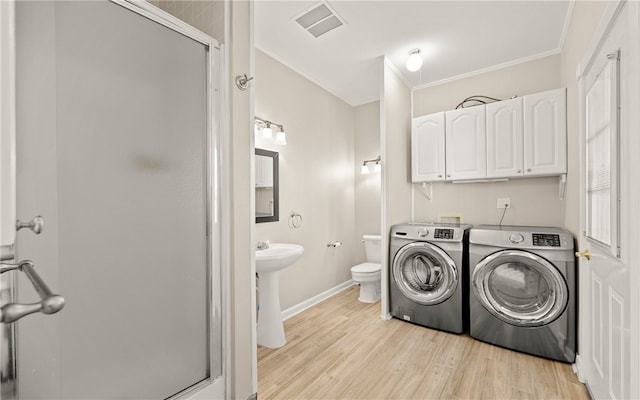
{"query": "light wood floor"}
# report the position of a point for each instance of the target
(341, 349)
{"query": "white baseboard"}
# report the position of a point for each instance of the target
(577, 368)
(298, 308)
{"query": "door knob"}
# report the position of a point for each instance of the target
(584, 254)
(36, 225)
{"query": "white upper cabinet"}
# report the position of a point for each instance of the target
(427, 148)
(505, 139)
(545, 133)
(466, 151)
(516, 138)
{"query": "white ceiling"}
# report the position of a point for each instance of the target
(455, 37)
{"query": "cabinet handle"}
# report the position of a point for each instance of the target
(528, 169)
(439, 176)
(449, 176)
(519, 171)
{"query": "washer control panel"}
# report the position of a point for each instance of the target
(443, 234)
(546, 239)
(425, 231)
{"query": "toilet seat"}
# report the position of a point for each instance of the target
(366, 268)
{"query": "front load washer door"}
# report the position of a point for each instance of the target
(424, 273)
(520, 288)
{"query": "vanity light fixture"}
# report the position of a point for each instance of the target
(267, 132)
(414, 61)
(266, 128)
(376, 166)
(281, 137)
(365, 168)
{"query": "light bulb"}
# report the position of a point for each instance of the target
(377, 167)
(365, 169)
(281, 137)
(414, 62)
(267, 133)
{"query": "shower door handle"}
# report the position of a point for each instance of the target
(49, 303)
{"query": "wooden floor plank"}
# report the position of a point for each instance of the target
(340, 349)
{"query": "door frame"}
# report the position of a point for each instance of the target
(218, 181)
(630, 236)
(8, 191)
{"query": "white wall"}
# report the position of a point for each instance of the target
(242, 351)
(205, 15)
(395, 138)
(316, 178)
(367, 187)
(534, 201)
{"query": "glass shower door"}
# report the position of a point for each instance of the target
(113, 139)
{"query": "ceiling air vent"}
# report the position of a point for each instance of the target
(319, 19)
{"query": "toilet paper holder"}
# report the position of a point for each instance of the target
(337, 243)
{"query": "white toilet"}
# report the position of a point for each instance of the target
(368, 274)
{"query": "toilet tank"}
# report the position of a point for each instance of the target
(372, 248)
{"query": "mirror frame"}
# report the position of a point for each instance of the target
(276, 185)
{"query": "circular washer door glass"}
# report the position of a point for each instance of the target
(424, 273)
(520, 288)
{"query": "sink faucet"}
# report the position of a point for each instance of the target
(263, 245)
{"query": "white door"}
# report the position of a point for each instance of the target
(114, 142)
(608, 245)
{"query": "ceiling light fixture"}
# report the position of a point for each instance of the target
(264, 128)
(414, 61)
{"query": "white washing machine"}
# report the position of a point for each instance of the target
(428, 265)
(523, 289)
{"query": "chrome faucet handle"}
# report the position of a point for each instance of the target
(263, 245)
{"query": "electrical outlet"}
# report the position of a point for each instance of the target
(504, 202)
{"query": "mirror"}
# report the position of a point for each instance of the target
(266, 191)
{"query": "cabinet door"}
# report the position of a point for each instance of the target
(505, 129)
(465, 143)
(545, 133)
(427, 148)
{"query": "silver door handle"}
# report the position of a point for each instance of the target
(49, 303)
(36, 224)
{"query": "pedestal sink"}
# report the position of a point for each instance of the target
(269, 262)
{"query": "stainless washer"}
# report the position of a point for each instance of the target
(523, 289)
(427, 282)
